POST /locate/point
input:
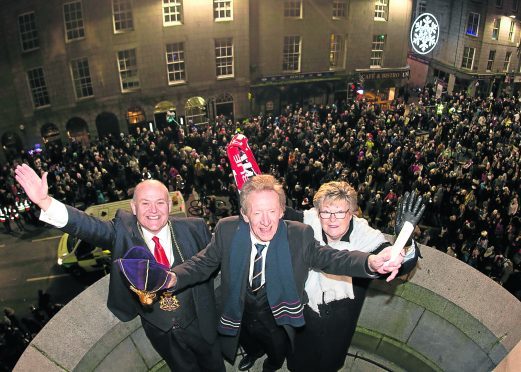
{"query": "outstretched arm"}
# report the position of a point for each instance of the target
(34, 186)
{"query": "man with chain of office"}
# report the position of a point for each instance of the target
(181, 327)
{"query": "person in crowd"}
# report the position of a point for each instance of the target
(335, 302)
(264, 264)
(185, 337)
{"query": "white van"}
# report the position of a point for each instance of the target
(77, 256)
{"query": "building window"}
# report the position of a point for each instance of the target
(122, 13)
(73, 18)
(495, 28)
(515, 5)
(473, 24)
(224, 58)
(499, 3)
(172, 12)
(28, 33)
(377, 50)
(381, 10)
(291, 54)
(223, 10)
(293, 9)
(81, 78)
(468, 58)
(38, 87)
(128, 72)
(506, 62)
(336, 51)
(339, 9)
(512, 31)
(490, 61)
(175, 63)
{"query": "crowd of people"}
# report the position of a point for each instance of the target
(461, 153)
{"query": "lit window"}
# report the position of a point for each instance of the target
(495, 28)
(291, 54)
(73, 18)
(339, 9)
(38, 87)
(473, 24)
(223, 10)
(224, 58)
(381, 8)
(128, 72)
(175, 63)
(81, 78)
(28, 33)
(293, 9)
(506, 62)
(512, 31)
(468, 58)
(122, 13)
(490, 61)
(336, 51)
(172, 12)
(377, 50)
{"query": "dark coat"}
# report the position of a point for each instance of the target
(121, 234)
(305, 254)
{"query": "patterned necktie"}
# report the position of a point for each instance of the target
(159, 252)
(256, 280)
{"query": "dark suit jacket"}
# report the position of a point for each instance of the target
(121, 234)
(305, 254)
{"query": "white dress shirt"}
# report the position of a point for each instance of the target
(253, 253)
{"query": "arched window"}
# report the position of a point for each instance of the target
(195, 111)
(78, 130)
(107, 123)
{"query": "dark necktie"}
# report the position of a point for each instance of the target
(159, 252)
(256, 280)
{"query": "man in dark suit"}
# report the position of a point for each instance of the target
(264, 263)
(182, 331)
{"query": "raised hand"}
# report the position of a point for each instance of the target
(410, 209)
(35, 187)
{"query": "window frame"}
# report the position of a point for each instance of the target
(78, 23)
(466, 57)
(512, 31)
(293, 9)
(336, 51)
(222, 61)
(28, 36)
(177, 13)
(377, 54)
(124, 10)
(222, 7)
(339, 9)
(38, 92)
(496, 28)
(130, 68)
(507, 61)
(381, 10)
(175, 49)
(292, 47)
(80, 80)
(473, 24)
(490, 60)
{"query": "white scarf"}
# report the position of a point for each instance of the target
(324, 288)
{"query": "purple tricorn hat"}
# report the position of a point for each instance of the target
(142, 271)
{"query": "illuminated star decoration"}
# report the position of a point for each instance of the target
(424, 33)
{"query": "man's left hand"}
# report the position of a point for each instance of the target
(382, 263)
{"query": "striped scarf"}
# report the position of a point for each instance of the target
(282, 294)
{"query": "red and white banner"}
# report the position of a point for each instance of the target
(241, 160)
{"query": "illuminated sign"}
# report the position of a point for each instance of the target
(425, 32)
